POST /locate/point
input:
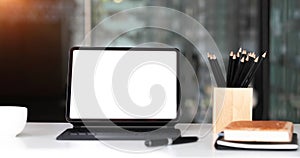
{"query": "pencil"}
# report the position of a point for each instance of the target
(238, 72)
(213, 70)
(219, 72)
(250, 78)
(240, 50)
(243, 84)
(229, 68)
(244, 71)
(254, 55)
(238, 54)
(234, 65)
(244, 54)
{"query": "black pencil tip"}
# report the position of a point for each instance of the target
(244, 52)
(243, 59)
(234, 56)
(240, 50)
(265, 54)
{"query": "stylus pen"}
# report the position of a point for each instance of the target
(169, 141)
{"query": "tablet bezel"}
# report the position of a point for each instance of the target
(121, 122)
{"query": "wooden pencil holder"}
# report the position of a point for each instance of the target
(231, 104)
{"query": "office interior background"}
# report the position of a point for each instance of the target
(35, 36)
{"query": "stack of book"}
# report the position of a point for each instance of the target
(258, 135)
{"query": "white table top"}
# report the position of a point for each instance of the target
(39, 140)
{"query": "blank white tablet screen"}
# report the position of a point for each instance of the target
(117, 84)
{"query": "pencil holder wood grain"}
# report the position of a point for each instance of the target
(231, 104)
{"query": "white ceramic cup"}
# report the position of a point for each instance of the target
(12, 120)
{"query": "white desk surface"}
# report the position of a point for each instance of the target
(38, 140)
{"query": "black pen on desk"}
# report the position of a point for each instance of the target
(170, 141)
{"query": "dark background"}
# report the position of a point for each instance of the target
(35, 36)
